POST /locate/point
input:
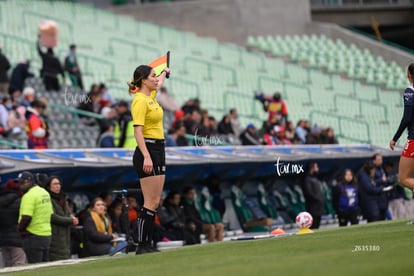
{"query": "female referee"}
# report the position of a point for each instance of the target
(149, 156)
(406, 167)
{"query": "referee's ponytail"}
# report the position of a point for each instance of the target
(141, 72)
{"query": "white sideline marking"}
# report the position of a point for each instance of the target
(48, 264)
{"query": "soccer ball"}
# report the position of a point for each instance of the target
(304, 220)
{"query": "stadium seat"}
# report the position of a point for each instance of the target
(245, 215)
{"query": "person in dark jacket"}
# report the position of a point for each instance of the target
(380, 179)
(10, 241)
(72, 67)
(4, 79)
(51, 68)
(249, 136)
(312, 191)
(98, 234)
(61, 220)
(19, 75)
(173, 220)
(369, 193)
(213, 231)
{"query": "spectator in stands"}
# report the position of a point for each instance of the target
(72, 67)
(34, 219)
(345, 199)
(106, 95)
(191, 105)
(51, 68)
(4, 78)
(275, 107)
(16, 120)
(28, 96)
(312, 191)
(214, 232)
(369, 193)
(235, 123)
(380, 179)
(328, 136)
(314, 136)
(62, 220)
(5, 108)
(37, 130)
(106, 135)
(290, 132)
(302, 130)
(169, 106)
(177, 137)
(269, 137)
(124, 129)
(192, 122)
(18, 76)
(99, 236)
(91, 104)
(11, 244)
(250, 136)
(280, 136)
(224, 126)
(174, 221)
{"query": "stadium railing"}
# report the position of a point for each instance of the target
(75, 112)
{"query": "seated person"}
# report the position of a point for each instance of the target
(173, 220)
(98, 233)
(213, 231)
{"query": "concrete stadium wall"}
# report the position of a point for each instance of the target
(226, 20)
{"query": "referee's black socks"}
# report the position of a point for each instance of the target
(146, 221)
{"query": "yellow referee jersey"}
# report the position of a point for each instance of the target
(147, 112)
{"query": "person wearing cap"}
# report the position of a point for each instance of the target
(34, 223)
(11, 244)
(249, 136)
(124, 128)
(72, 67)
(28, 96)
(36, 127)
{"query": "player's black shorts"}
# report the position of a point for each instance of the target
(156, 149)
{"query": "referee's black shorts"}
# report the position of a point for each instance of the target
(156, 149)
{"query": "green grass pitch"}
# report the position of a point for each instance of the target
(385, 248)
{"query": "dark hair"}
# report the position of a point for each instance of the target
(141, 73)
(410, 70)
(50, 179)
(368, 167)
(342, 178)
(187, 189)
(96, 199)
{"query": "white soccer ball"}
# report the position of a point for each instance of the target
(304, 220)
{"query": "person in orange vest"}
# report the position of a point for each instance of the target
(36, 127)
